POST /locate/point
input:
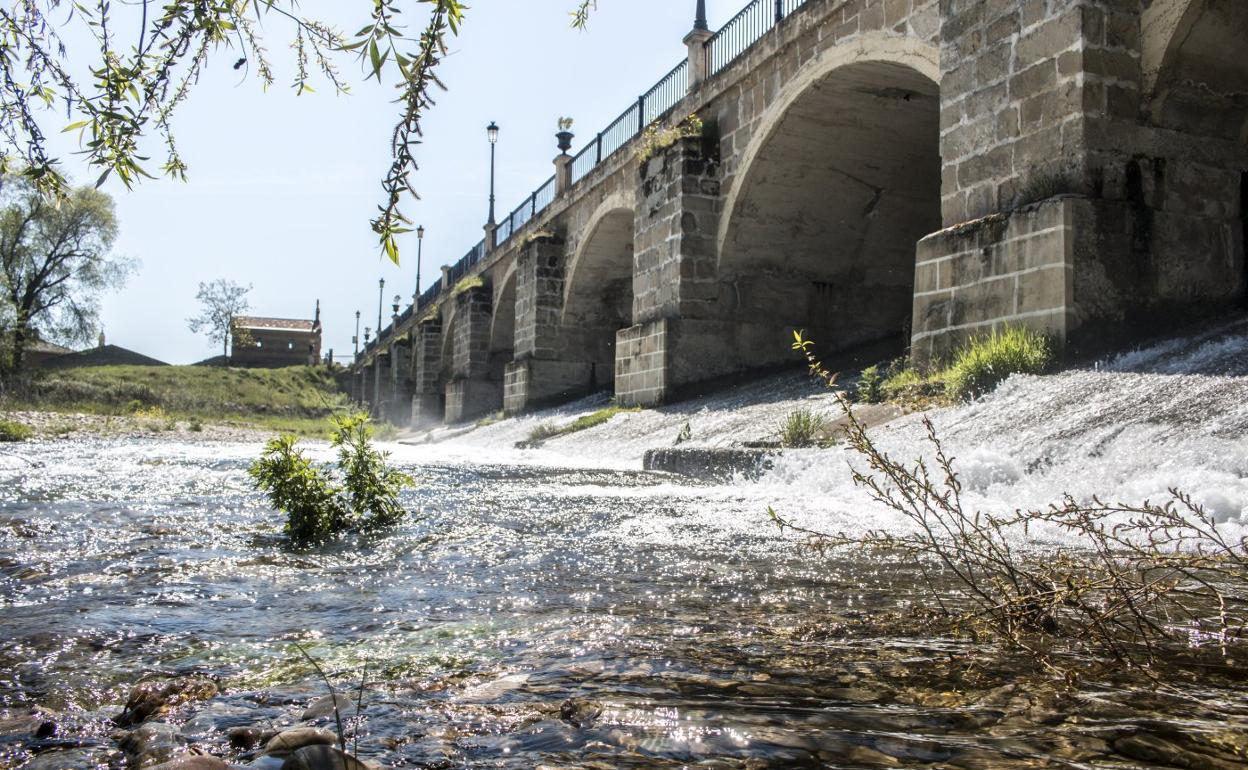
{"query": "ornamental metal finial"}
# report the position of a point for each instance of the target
(700, 21)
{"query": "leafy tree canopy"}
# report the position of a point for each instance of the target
(55, 262)
(144, 63)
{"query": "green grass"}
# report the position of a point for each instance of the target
(547, 431)
(294, 399)
(975, 369)
(984, 363)
(802, 428)
(14, 431)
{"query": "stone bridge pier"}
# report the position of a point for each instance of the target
(427, 386)
(475, 386)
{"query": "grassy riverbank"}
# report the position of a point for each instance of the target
(294, 399)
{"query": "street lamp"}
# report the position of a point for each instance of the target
(492, 132)
(420, 247)
(356, 339)
(395, 307)
(381, 290)
(367, 332)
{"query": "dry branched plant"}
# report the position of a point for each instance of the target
(1140, 584)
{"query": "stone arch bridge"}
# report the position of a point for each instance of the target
(892, 172)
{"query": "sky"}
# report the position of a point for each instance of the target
(282, 187)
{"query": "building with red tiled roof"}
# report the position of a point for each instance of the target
(275, 342)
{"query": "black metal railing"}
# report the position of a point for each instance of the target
(721, 50)
(665, 95)
(745, 29)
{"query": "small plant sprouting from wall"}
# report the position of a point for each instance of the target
(362, 496)
(655, 139)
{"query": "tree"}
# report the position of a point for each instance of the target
(55, 262)
(220, 301)
(151, 54)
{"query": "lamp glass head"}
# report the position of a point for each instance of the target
(492, 132)
(420, 232)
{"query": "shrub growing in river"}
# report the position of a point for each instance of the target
(802, 428)
(363, 495)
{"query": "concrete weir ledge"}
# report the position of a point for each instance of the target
(711, 464)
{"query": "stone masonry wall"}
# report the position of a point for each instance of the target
(426, 370)
(641, 364)
(1012, 86)
(539, 298)
(1005, 269)
(674, 254)
(471, 344)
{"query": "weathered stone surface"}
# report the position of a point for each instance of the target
(323, 758)
(157, 697)
(289, 741)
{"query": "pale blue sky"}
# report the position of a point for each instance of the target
(282, 188)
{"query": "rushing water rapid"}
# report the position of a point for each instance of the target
(537, 611)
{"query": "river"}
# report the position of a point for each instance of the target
(556, 609)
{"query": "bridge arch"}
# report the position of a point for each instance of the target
(1193, 66)
(598, 291)
(503, 316)
(844, 170)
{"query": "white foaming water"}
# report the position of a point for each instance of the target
(1172, 415)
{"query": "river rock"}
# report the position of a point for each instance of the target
(1146, 747)
(290, 741)
(324, 707)
(244, 738)
(156, 698)
(193, 762)
(322, 758)
(34, 725)
(579, 711)
(152, 744)
(72, 759)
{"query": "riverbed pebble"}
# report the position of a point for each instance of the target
(152, 744)
(324, 707)
(193, 762)
(290, 741)
(156, 698)
(322, 758)
(244, 738)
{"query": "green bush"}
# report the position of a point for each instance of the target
(870, 388)
(802, 428)
(14, 431)
(984, 363)
(362, 496)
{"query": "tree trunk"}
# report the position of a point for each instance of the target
(19, 346)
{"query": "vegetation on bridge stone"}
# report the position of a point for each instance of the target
(657, 138)
(363, 495)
